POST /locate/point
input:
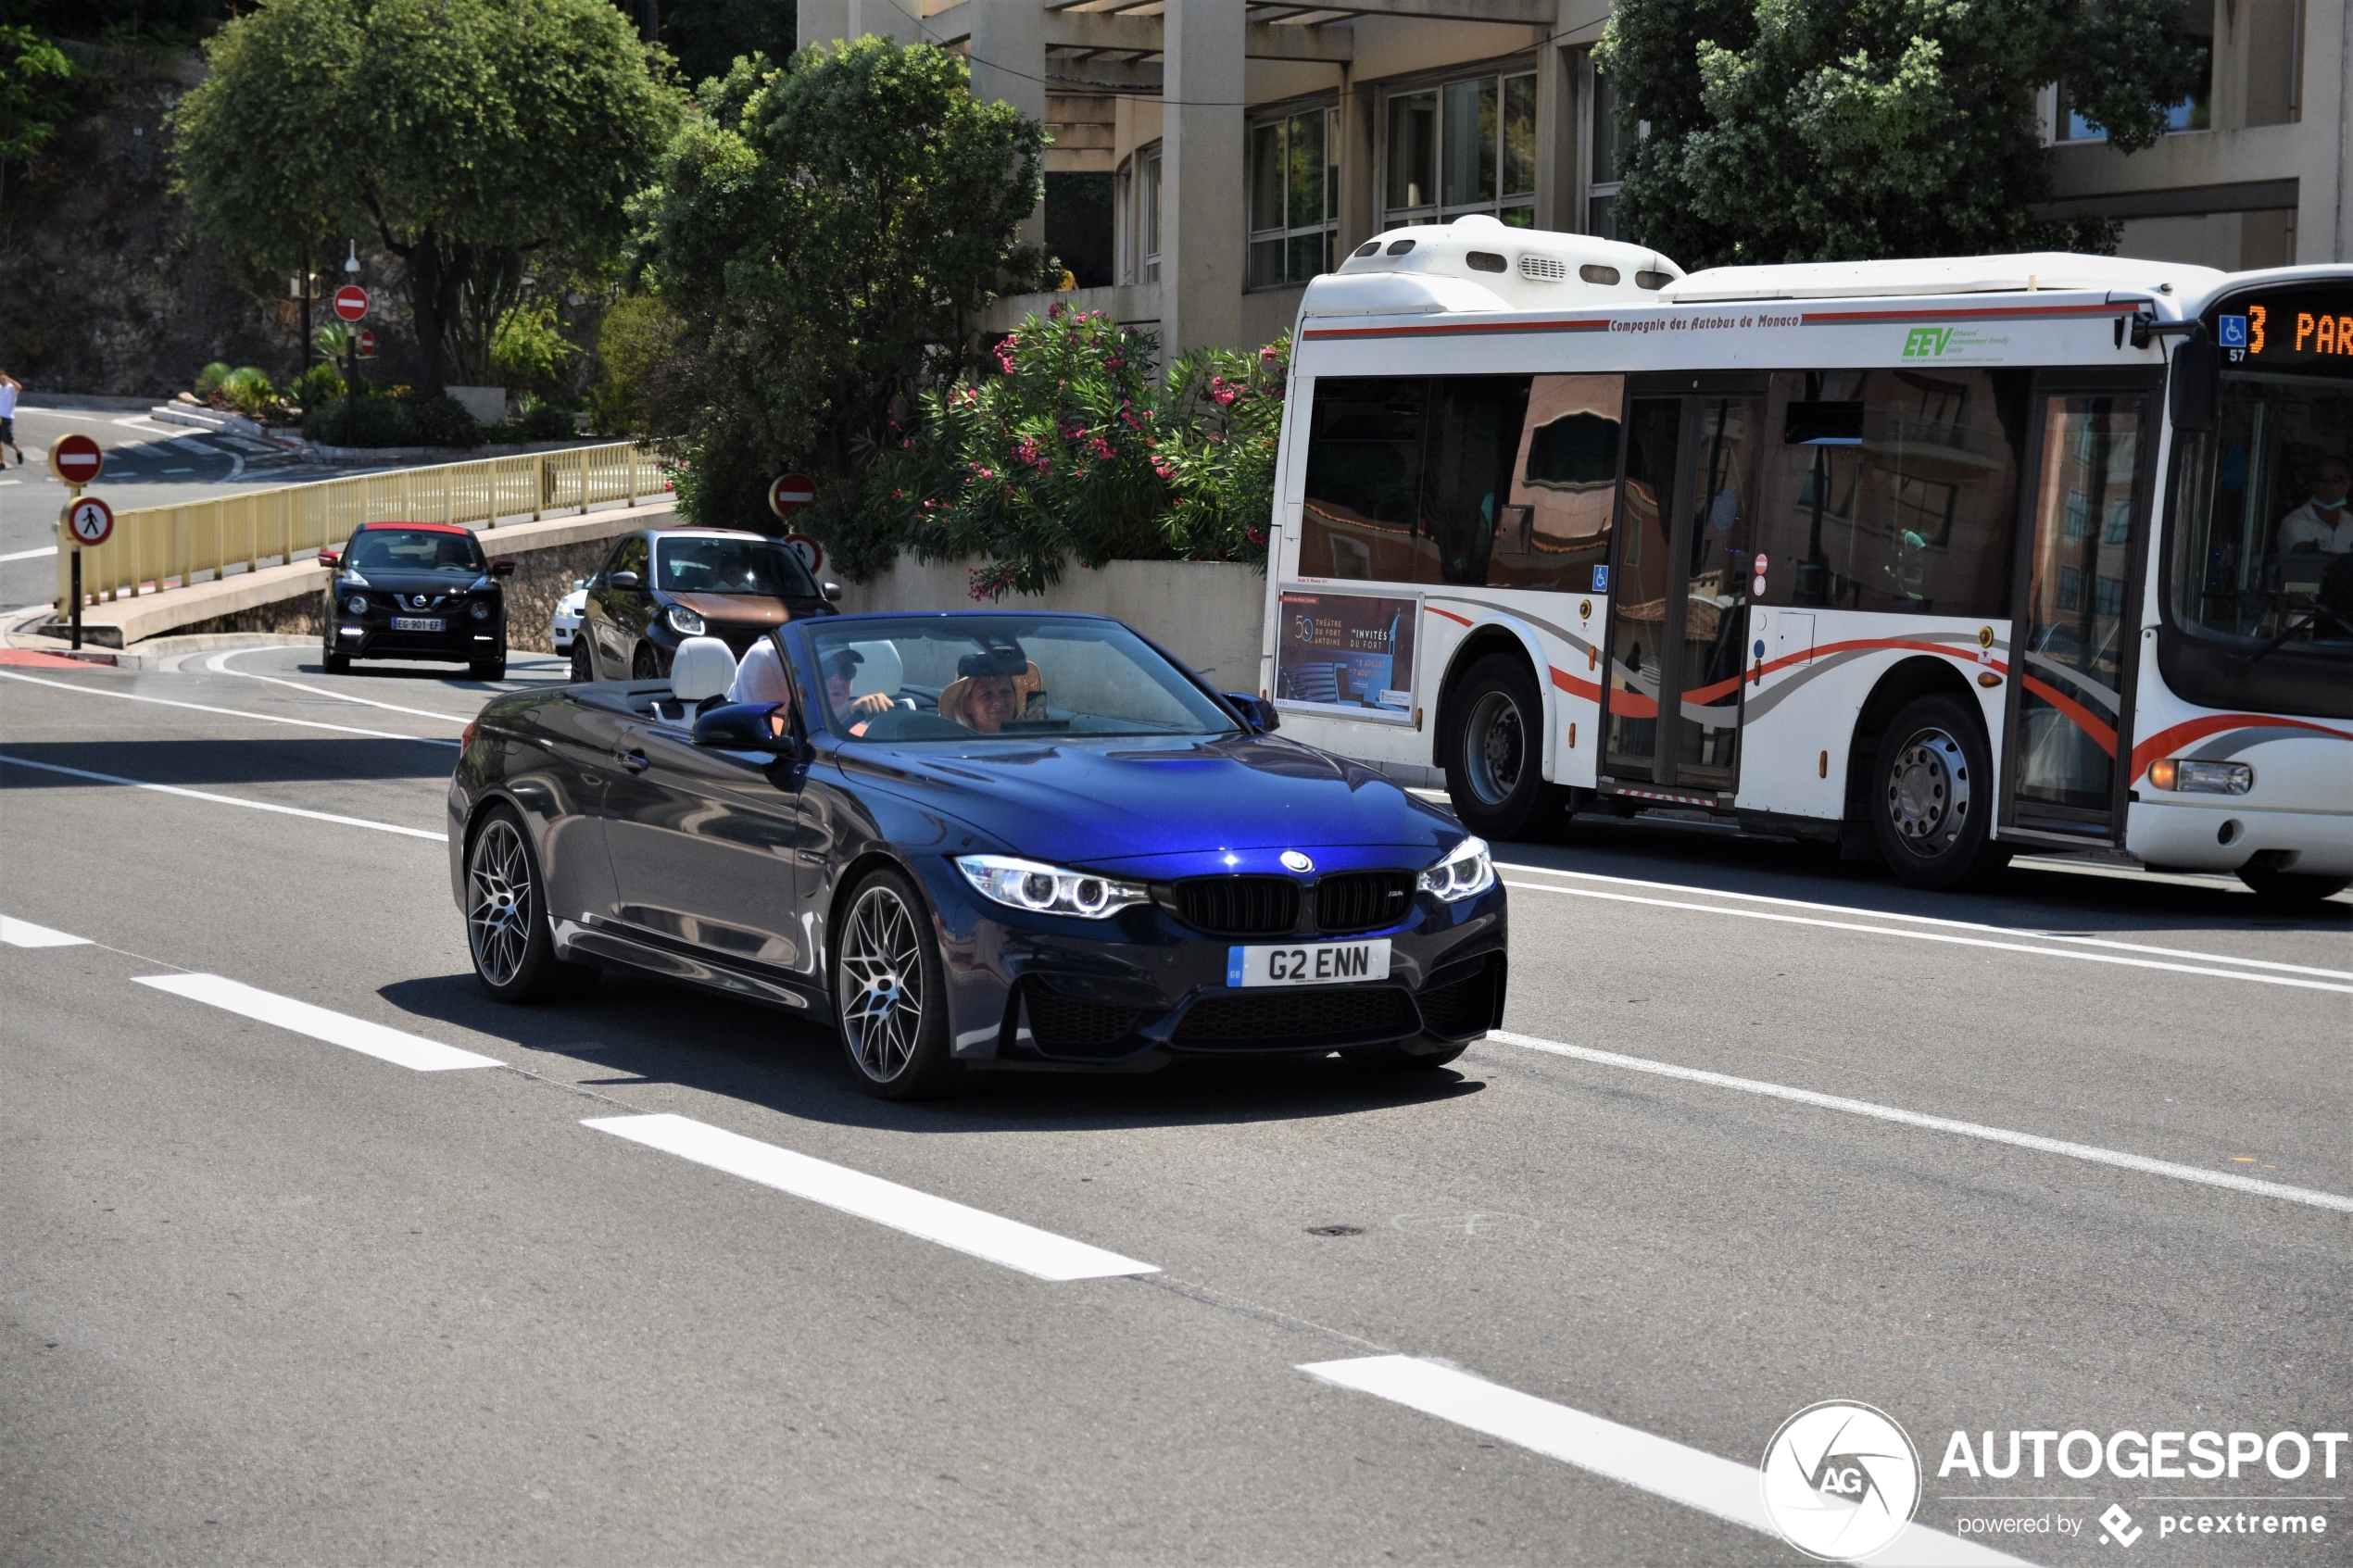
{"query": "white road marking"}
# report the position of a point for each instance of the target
(218, 665)
(24, 934)
(1936, 919)
(1693, 1477)
(26, 555)
(232, 712)
(1939, 936)
(2091, 1152)
(227, 800)
(396, 1046)
(950, 1224)
(179, 470)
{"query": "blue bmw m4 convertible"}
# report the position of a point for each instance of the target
(973, 839)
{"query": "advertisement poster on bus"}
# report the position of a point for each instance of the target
(1349, 652)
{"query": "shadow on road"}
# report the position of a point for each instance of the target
(637, 1031)
(197, 763)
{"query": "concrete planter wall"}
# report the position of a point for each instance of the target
(1207, 613)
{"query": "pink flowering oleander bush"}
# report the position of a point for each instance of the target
(1069, 451)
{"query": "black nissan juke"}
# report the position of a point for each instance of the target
(416, 589)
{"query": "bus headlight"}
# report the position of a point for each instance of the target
(2188, 776)
(1465, 871)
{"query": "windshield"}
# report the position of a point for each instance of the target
(731, 566)
(416, 549)
(954, 677)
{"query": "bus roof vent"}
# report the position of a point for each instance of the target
(1479, 263)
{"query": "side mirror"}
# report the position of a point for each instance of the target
(1256, 712)
(2197, 392)
(747, 726)
(580, 582)
(330, 557)
(832, 593)
(624, 580)
(503, 566)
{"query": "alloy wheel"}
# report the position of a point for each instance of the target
(882, 983)
(1494, 748)
(1928, 792)
(499, 903)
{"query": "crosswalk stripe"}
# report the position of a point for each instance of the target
(396, 1046)
(950, 1224)
(1657, 1465)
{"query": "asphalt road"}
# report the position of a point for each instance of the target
(1765, 1131)
(148, 464)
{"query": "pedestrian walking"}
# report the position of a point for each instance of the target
(9, 387)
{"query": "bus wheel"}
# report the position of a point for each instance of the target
(1496, 777)
(1932, 795)
(2276, 887)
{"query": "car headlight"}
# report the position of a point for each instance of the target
(356, 605)
(482, 609)
(2202, 778)
(1048, 890)
(351, 579)
(1465, 871)
(684, 621)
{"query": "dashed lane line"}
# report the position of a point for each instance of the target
(26, 555)
(975, 1231)
(24, 934)
(80, 690)
(1730, 1490)
(396, 1046)
(1932, 920)
(225, 799)
(1950, 939)
(2092, 1153)
(218, 664)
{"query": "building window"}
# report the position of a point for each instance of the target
(1147, 228)
(1600, 200)
(2192, 113)
(1294, 196)
(1464, 147)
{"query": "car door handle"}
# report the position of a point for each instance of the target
(635, 760)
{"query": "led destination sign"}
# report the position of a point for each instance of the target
(2288, 328)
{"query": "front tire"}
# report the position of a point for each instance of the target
(646, 664)
(2291, 889)
(335, 663)
(506, 933)
(1932, 795)
(1494, 772)
(584, 664)
(890, 993)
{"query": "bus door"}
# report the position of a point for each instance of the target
(2075, 630)
(1679, 597)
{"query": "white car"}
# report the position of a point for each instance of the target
(569, 611)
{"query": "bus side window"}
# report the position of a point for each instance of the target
(1557, 526)
(1476, 431)
(1364, 478)
(1895, 491)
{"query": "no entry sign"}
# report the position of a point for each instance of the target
(793, 492)
(76, 459)
(367, 344)
(90, 520)
(351, 302)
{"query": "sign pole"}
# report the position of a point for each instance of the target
(77, 597)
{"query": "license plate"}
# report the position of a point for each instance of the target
(1314, 963)
(418, 623)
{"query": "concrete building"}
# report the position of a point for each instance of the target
(1246, 146)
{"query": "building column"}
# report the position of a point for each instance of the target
(894, 19)
(1558, 145)
(1360, 206)
(1009, 65)
(1203, 202)
(821, 21)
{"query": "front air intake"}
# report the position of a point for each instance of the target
(1239, 906)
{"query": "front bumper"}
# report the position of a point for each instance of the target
(2218, 833)
(463, 640)
(1142, 986)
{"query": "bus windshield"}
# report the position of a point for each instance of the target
(2260, 553)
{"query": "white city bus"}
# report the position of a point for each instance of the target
(1948, 558)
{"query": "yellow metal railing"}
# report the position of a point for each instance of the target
(157, 547)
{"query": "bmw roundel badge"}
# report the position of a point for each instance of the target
(1297, 861)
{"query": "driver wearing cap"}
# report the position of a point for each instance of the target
(841, 672)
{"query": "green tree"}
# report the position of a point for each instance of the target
(820, 236)
(36, 92)
(1767, 130)
(463, 133)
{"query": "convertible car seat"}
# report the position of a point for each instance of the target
(702, 671)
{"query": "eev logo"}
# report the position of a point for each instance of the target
(1926, 342)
